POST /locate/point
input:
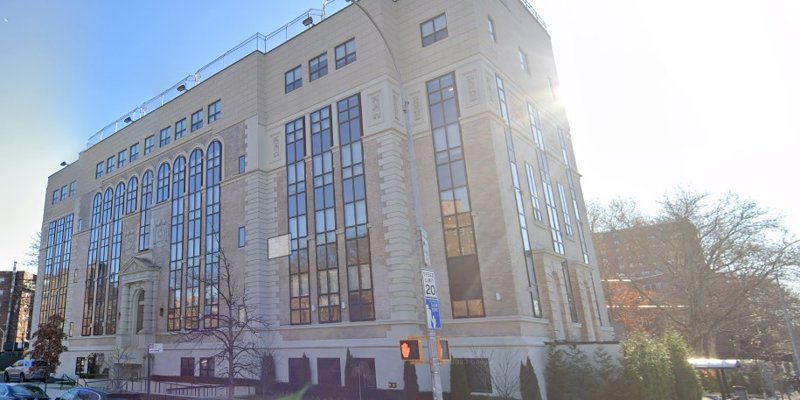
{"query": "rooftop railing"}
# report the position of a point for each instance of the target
(257, 42)
(533, 12)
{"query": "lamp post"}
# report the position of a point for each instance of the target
(436, 379)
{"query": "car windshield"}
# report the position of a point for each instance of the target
(27, 390)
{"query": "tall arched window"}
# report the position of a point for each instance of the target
(116, 250)
(133, 193)
(194, 226)
(91, 263)
(102, 264)
(176, 245)
(162, 193)
(145, 215)
(213, 177)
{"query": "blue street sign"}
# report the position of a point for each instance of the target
(432, 313)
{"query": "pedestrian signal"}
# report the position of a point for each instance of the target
(444, 348)
(410, 350)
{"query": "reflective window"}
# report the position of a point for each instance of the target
(133, 190)
(56, 196)
(299, 286)
(565, 210)
(110, 164)
(180, 129)
(534, 192)
(197, 120)
(242, 164)
(91, 266)
(122, 158)
(176, 253)
(318, 67)
(73, 187)
(327, 262)
(357, 250)
(523, 61)
(149, 144)
(345, 53)
(466, 291)
(193, 240)
(242, 236)
(433, 30)
(521, 219)
(165, 136)
(294, 79)
(98, 170)
(145, 212)
(211, 283)
(162, 191)
(57, 247)
(492, 35)
(134, 152)
(573, 311)
(114, 259)
(214, 111)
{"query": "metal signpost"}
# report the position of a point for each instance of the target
(434, 322)
(152, 348)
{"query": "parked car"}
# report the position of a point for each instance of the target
(21, 391)
(23, 370)
(83, 393)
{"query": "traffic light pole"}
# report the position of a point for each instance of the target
(436, 379)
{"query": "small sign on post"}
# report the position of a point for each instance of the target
(155, 348)
(426, 252)
(432, 314)
(429, 284)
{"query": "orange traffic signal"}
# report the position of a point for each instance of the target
(410, 350)
(444, 348)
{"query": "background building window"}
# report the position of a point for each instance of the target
(187, 366)
(162, 185)
(299, 286)
(479, 374)
(294, 79)
(98, 170)
(197, 120)
(73, 187)
(214, 111)
(149, 143)
(318, 67)
(242, 164)
(242, 236)
(492, 35)
(329, 371)
(207, 367)
(433, 30)
(345, 53)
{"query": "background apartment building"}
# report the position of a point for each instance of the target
(310, 139)
(16, 306)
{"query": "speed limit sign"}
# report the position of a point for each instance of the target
(429, 284)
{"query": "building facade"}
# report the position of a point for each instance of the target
(17, 290)
(310, 139)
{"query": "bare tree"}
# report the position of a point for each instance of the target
(32, 254)
(712, 254)
(237, 329)
(117, 359)
(502, 371)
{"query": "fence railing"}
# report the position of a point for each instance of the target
(257, 42)
(533, 12)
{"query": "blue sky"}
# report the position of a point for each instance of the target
(660, 94)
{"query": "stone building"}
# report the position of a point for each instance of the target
(310, 139)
